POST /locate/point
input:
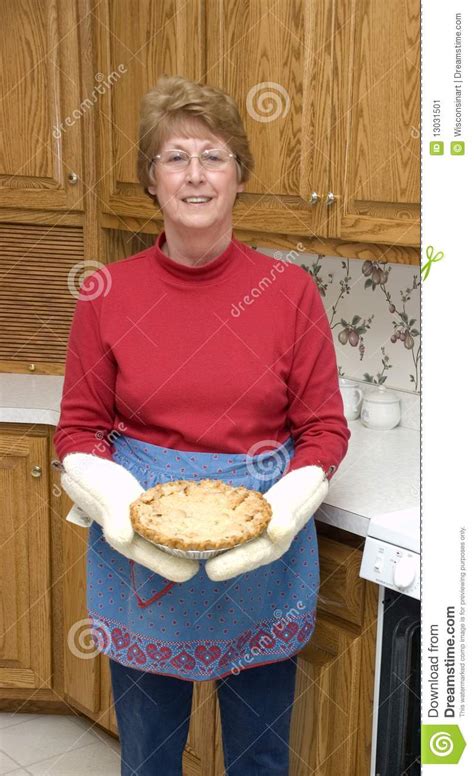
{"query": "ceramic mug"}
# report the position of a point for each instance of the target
(352, 397)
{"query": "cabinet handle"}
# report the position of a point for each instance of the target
(314, 198)
(73, 178)
(32, 367)
(330, 199)
(36, 471)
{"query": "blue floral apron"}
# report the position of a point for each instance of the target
(200, 629)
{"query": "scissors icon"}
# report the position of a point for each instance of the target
(432, 257)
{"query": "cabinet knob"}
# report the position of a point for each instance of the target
(73, 178)
(314, 198)
(330, 199)
(32, 367)
(36, 471)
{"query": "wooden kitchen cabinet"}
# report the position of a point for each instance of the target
(49, 231)
(275, 60)
(40, 123)
(310, 80)
(26, 644)
(375, 129)
(38, 300)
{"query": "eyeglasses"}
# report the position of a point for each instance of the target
(211, 159)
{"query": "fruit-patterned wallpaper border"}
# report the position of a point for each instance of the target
(373, 309)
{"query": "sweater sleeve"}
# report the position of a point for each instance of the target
(88, 399)
(316, 415)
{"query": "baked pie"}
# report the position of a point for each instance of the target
(204, 515)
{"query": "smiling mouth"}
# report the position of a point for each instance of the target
(197, 200)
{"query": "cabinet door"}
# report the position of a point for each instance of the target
(137, 42)
(326, 729)
(274, 58)
(83, 674)
(25, 568)
(40, 271)
(375, 129)
(331, 726)
(40, 122)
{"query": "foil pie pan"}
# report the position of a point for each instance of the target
(195, 554)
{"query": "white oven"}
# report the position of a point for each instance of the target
(391, 558)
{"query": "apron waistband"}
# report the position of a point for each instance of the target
(268, 465)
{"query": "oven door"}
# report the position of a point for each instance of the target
(397, 723)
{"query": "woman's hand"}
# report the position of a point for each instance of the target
(294, 499)
(105, 490)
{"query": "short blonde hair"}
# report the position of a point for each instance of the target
(178, 106)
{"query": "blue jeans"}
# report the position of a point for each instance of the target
(153, 713)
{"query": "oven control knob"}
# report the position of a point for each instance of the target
(404, 572)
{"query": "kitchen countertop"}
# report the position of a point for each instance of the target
(380, 473)
(30, 398)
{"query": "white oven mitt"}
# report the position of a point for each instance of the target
(104, 490)
(294, 499)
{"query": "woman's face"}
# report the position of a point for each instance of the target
(173, 188)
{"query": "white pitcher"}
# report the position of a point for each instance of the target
(352, 397)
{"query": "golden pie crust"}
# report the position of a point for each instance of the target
(204, 515)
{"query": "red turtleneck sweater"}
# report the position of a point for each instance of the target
(222, 357)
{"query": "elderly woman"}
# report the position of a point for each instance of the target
(200, 358)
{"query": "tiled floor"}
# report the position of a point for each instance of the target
(52, 745)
